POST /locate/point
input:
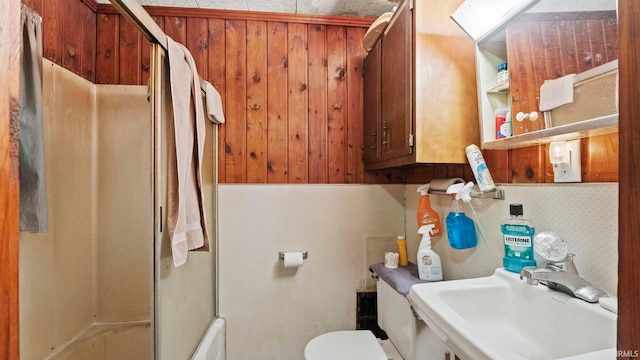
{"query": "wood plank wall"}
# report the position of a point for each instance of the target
(69, 33)
(292, 90)
(292, 87)
(629, 199)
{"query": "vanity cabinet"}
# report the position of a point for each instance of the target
(545, 43)
(420, 92)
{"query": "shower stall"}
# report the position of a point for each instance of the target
(100, 283)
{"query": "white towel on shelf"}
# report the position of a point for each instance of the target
(557, 92)
(214, 104)
(185, 214)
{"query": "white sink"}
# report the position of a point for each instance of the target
(503, 317)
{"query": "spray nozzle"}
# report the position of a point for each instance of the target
(426, 231)
(461, 191)
(424, 189)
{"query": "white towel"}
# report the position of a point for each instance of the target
(214, 104)
(185, 214)
(555, 93)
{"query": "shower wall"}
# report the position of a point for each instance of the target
(94, 263)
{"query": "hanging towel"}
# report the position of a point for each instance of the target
(33, 188)
(185, 213)
(557, 92)
(214, 104)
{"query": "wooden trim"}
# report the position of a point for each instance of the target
(629, 174)
(91, 4)
(9, 191)
(352, 21)
(140, 18)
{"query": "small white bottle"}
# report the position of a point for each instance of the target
(429, 266)
(480, 169)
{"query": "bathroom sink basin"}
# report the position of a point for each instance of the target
(503, 317)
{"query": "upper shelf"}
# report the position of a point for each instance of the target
(598, 126)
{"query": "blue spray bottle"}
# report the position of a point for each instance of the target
(461, 230)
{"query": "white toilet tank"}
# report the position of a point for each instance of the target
(396, 319)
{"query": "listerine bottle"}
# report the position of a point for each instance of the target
(517, 234)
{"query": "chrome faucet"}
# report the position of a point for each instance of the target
(563, 276)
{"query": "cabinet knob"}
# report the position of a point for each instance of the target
(255, 107)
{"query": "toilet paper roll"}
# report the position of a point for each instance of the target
(293, 259)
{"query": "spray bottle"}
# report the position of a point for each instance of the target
(429, 266)
(461, 230)
(426, 215)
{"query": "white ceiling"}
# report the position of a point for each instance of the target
(367, 8)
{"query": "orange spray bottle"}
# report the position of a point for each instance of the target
(426, 215)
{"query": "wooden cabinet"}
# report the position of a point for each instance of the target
(371, 139)
(396, 80)
(420, 89)
(547, 42)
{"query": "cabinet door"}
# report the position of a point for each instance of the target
(396, 82)
(372, 106)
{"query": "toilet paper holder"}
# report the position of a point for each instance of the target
(281, 255)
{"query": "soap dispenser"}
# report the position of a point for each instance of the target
(429, 266)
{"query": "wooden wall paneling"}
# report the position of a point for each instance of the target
(610, 28)
(88, 43)
(197, 42)
(52, 30)
(355, 104)
(584, 52)
(629, 193)
(337, 98)
(567, 46)
(175, 27)
(9, 191)
(71, 36)
(256, 102)
(599, 156)
(130, 54)
(277, 71)
(107, 48)
(217, 77)
(540, 73)
(35, 5)
(528, 164)
(521, 69)
(318, 166)
(552, 49)
(599, 53)
(498, 164)
(298, 106)
(236, 97)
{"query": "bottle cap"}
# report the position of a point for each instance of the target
(515, 209)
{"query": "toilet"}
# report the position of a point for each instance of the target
(395, 317)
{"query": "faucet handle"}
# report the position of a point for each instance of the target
(566, 265)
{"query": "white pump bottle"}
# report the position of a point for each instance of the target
(429, 265)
